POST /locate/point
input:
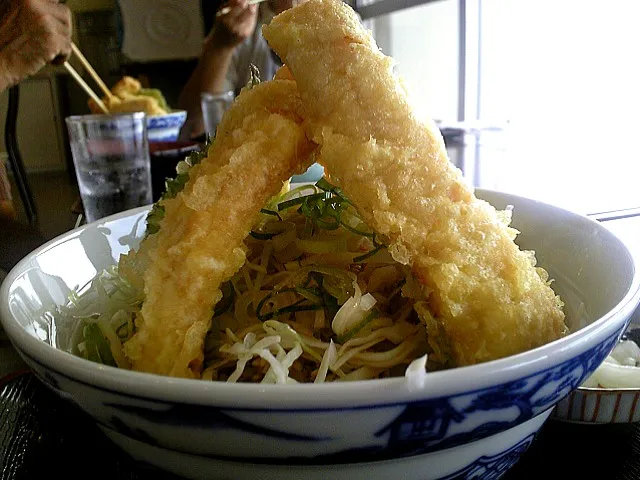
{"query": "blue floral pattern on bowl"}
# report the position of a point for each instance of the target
(416, 428)
(165, 128)
(493, 467)
(170, 120)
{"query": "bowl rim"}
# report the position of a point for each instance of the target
(102, 118)
(608, 391)
(358, 394)
(172, 113)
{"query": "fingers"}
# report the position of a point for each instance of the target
(60, 59)
(243, 18)
(32, 34)
(62, 13)
(58, 23)
(248, 13)
(233, 10)
(235, 21)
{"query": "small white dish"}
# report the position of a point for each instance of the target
(600, 405)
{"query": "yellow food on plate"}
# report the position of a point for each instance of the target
(484, 297)
(129, 97)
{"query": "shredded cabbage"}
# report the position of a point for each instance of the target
(353, 311)
(109, 303)
(328, 358)
(416, 373)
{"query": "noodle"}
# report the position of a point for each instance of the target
(287, 313)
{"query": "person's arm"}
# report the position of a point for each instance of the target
(229, 31)
(208, 76)
(33, 33)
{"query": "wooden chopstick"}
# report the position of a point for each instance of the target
(225, 10)
(85, 63)
(76, 76)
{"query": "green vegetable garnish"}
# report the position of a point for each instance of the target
(262, 236)
(326, 209)
(173, 186)
(294, 307)
(351, 333)
(157, 94)
(228, 297)
(299, 201)
(97, 346)
(369, 254)
(271, 212)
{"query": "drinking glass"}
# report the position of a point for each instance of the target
(111, 159)
(213, 107)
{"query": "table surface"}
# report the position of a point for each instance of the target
(41, 435)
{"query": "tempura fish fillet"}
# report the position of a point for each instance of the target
(488, 299)
(259, 145)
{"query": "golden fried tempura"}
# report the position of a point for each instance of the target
(137, 103)
(126, 98)
(259, 145)
(126, 86)
(487, 298)
(140, 103)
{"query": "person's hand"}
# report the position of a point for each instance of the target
(33, 33)
(234, 26)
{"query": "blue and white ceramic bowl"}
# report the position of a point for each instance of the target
(471, 422)
(165, 128)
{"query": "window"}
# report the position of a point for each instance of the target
(561, 77)
(423, 39)
(565, 75)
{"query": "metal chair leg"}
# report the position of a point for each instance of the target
(15, 160)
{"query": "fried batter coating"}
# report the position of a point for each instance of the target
(259, 145)
(126, 86)
(127, 98)
(487, 299)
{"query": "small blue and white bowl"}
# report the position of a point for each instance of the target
(471, 422)
(165, 128)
